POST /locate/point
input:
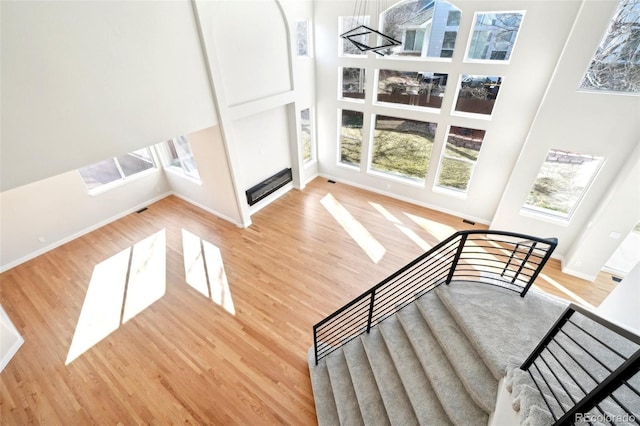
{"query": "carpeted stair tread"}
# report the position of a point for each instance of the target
(390, 385)
(513, 334)
(365, 386)
(425, 402)
(464, 359)
(455, 400)
(343, 391)
(326, 410)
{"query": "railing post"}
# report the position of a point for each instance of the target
(553, 242)
(454, 262)
(621, 374)
(315, 342)
(515, 250)
(373, 298)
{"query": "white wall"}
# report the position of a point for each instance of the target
(59, 209)
(621, 305)
(10, 339)
(247, 48)
(84, 81)
(215, 191)
(600, 124)
(544, 30)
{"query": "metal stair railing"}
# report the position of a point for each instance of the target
(505, 259)
(587, 370)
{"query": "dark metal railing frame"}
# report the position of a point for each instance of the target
(551, 243)
(613, 381)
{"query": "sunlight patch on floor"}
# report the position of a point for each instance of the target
(564, 290)
(439, 231)
(204, 270)
(133, 278)
(408, 232)
(359, 233)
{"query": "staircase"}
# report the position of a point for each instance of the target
(436, 361)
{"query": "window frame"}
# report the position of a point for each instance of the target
(472, 32)
(167, 160)
(124, 179)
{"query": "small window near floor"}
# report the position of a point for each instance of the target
(302, 38)
(177, 156)
(108, 173)
(561, 183)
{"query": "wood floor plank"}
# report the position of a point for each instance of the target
(184, 359)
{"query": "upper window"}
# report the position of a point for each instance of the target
(616, 65)
(459, 157)
(306, 133)
(402, 147)
(561, 182)
(351, 137)
(424, 28)
(302, 38)
(177, 155)
(117, 169)
(353, 83)
(477, 94)
(494, 35)
(423, 89)
(348, 23)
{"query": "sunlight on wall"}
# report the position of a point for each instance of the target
(406, 231)
(359, 233)
(204, 270)
(133, 279)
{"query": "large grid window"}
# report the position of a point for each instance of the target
(422, 89)
(561, 183)
(177, 156)
(494, 36)
(402, 147)
(424, 28)
(351, 137)
(118, 169)
(477, 94)
(459, 158)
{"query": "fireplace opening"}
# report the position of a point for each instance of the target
(268, 186)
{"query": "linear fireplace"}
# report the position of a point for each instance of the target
(268, 186)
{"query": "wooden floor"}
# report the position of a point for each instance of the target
(185, 359)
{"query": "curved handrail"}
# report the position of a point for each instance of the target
(485, 256)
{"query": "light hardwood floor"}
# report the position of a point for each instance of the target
(185, 359)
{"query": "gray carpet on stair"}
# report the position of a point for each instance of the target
(388, 381)
(514, 333)
(475, 375)
(457, 403)
(326, 410)
(424, 401)
(343, 391)
(371, 406)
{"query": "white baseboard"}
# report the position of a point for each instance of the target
(209, 210)
(407, 200)
(80, 233)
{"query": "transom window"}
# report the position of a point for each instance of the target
(561, 183)
(425, 28)
(177, 155)
(616, 65)
(107, 173)
(494, 35)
